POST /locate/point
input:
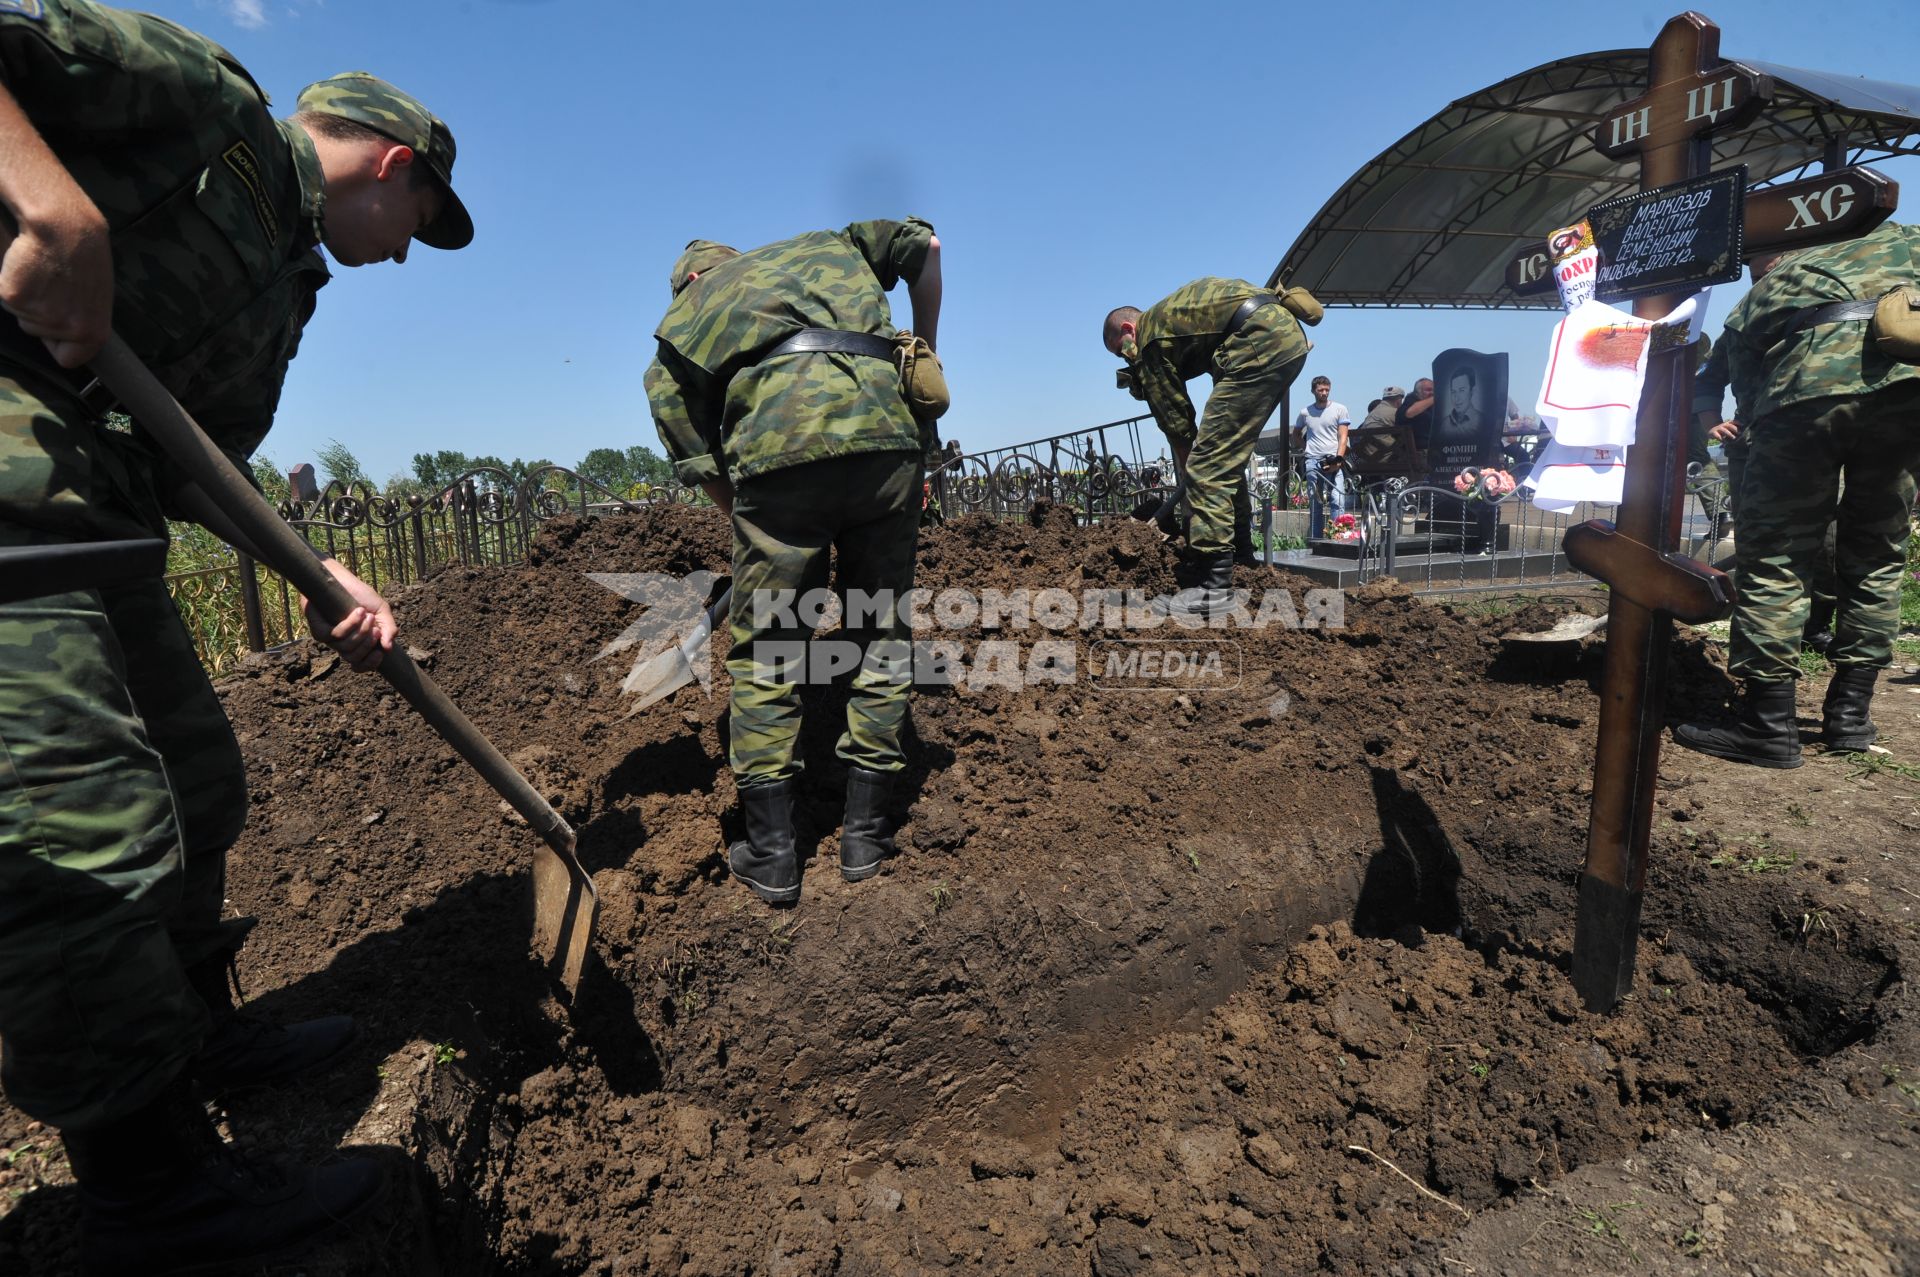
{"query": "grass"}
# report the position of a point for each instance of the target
(1605, 1222)
(1490, 608)
(1864, 765)
(1763, 860)
(940, 896)
(681, 972)
(1898, 1078)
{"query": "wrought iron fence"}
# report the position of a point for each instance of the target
(1100, 471)
(484, 517)
(1434, 541)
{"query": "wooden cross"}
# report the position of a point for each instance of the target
(1691, 92)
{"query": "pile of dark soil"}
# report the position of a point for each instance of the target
(1242, 980)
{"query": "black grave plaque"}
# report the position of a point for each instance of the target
(1672, 238)
(1469, 412)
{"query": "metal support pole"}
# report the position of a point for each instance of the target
(250, 603)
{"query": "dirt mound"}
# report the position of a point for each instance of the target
(1188, 979)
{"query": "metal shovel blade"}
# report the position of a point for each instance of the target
(565, 908)
(1568, 629)
(674, 668)
(1606, 936)
(659, 678)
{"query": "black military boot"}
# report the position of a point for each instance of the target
(1818, 631)
(1847, 727)
(161, 1192)
(866, 835)
(1209, 594)
(242, 1050)
(765, 859)
(1244, 555)
(1764, 734)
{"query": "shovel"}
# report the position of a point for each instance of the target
(1161, 511)
(564, 901)
(674, 668)
(1568, 629)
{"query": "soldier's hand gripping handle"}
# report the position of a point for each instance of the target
(56, 265)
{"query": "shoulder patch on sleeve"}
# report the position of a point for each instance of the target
(25, 8)
(246, 166)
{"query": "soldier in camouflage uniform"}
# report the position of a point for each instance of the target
(1254, 348)
(1832, 440)
(156, 195)
(809, 451)
(1710, 385)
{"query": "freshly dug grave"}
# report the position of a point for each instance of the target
(1161, 982)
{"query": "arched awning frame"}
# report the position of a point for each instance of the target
(1433, 220)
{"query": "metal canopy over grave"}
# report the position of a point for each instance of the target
(1435, 219)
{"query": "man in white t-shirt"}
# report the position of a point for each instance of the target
(1320, 432)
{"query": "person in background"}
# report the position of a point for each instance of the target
(1417, 412)
(1320, 436)
(1384, 410)
(774, 387)
(1831, 442)
(1254, 346)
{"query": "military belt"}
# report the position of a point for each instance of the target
(835, 341)
(33, 571)
(1247, 307)
(1832, 313)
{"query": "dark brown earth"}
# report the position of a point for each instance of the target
(1267, 979)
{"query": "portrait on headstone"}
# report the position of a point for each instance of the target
(1469, 412)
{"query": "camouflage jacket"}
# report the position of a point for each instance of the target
(721, 406)
(1176, 342)
(214, 206)
(1826, 360)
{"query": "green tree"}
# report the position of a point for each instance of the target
(605, 466)
(437, 469)
(337, 463)
(271, 478)
(401, 485)
(623, 471)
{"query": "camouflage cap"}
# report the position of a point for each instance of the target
(701, 255)
(369, 100)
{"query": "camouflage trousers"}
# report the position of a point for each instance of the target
(1822, 582)
(1841, 462)
(1251, 373)
(120, 790)
(786, 526)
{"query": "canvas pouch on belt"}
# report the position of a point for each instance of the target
(1303, 305)
(923, 383)
(1895, 329)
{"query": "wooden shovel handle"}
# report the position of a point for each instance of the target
(141, 393)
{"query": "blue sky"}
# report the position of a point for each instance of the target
(1072, 156)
